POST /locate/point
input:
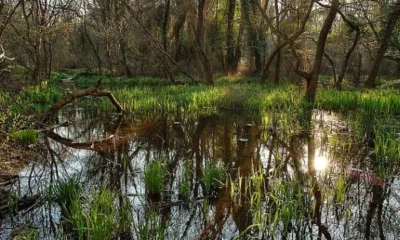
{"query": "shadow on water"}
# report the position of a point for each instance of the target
(278, 180)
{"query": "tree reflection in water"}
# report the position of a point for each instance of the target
(310, 185)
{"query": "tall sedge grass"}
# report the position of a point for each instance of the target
(213, 176)
(154, 176)
(184, 182)
(150, 226)
(65, 193)
(98, 220)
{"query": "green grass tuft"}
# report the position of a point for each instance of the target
(213, 176)
(154, 176)
(26, 137)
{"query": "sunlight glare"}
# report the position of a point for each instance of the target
(321, 163)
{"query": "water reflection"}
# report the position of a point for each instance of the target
(321, 163)
(273, 181)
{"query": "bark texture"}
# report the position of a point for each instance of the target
(391, 23)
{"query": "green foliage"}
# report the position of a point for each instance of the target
(214, 175)
(26, 137)
(87, 81)
(102, 215)
(55, 77)
(125, 216)
(154, 176)
(67, 192)
(184, 182)
(380, 101)
(27, 233)
(96, 221)
(18, 69)
(151, 227)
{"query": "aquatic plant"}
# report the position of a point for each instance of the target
(125, 216)
(66, 192)
(27, 233)
(213, 176)
(102, 214)
(150, 226)
(96, 221)
(154, 176)
(184, 182)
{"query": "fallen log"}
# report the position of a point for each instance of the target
(91, 91)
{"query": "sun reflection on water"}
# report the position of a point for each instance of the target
(321, 163)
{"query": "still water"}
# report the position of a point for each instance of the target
(280, 182)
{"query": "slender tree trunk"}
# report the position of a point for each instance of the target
(278, 55)
(39, 70)
(230, 45)
(165, 24)
(345, 64)
(238, 50)
(177, 34)
(269, 61)
(288, 40)
(127, 71)
(180, 22)
(392, 20)
(312, 77)
(200, 44)
(252, 34)
(332, 63)
(95, 50)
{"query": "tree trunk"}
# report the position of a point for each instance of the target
(345, 64)
(332, 63)
(165, 24)
(230, 45)
(392, 20)
(127, 71)
(278, 55)
(39, 70)
(252, 34)
(312, 78)
(288, 40)
(238, 50)
(180, 22)
(200, 44)
(269, 61)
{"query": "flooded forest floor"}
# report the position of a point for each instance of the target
(232, 161)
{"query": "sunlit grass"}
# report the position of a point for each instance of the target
(26, 137)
